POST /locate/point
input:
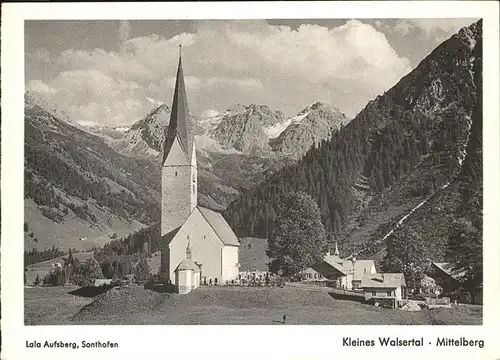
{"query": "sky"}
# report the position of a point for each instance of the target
(114, 72)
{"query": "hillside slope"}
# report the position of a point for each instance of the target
(403, 147)
(77, 187)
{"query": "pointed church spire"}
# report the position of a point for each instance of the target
(179, 118)
(336, 253)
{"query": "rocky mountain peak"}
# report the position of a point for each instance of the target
(242, 127)
(32, 98)
(311, 125)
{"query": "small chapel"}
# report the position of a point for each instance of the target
(197, 244)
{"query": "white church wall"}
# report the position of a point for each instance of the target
(230, 269)
(205, 247)
(183, 279)
(196, 277)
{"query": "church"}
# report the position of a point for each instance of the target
(197, 244)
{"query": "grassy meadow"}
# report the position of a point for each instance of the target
(224, 305)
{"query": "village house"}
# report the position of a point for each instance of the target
(449, 279)
(213, 246)
(384, 285)
(429, 286)
(344, 273)
(446, 276)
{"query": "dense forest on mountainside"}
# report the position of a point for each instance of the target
(120, 257)
(133, 243)
(34, 256)
(401, 148)
(461, 201)
(78, 164)
(76, 182)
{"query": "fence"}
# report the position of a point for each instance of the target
(343, 294)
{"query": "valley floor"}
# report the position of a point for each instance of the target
(224, 305)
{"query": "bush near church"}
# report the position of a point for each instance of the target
(86, 273)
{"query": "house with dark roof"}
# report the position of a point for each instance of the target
(446, 276)
(450, 279)
(213, 246)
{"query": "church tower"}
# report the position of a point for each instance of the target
(179, 169)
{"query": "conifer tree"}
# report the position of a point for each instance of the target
(465, 250)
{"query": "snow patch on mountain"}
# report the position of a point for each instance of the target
(467, 35)
(210, 123)
(122, 128)
(275, 130)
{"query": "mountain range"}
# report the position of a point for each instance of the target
(78, 191)
(399, 163)
(235, 149)
(402, 157)
(85, 185)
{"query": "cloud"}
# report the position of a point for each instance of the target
(210, 113)
(439, 29)
(40, 87)
(237, 83)
(228, 62)
(89, 96)
(154, 102)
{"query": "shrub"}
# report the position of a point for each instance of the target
(54, 277)
(141, 270)
(86, 273)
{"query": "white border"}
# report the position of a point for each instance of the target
(290, 341)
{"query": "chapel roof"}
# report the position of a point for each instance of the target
(220, 226)
(216, 222)
(187, 264)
